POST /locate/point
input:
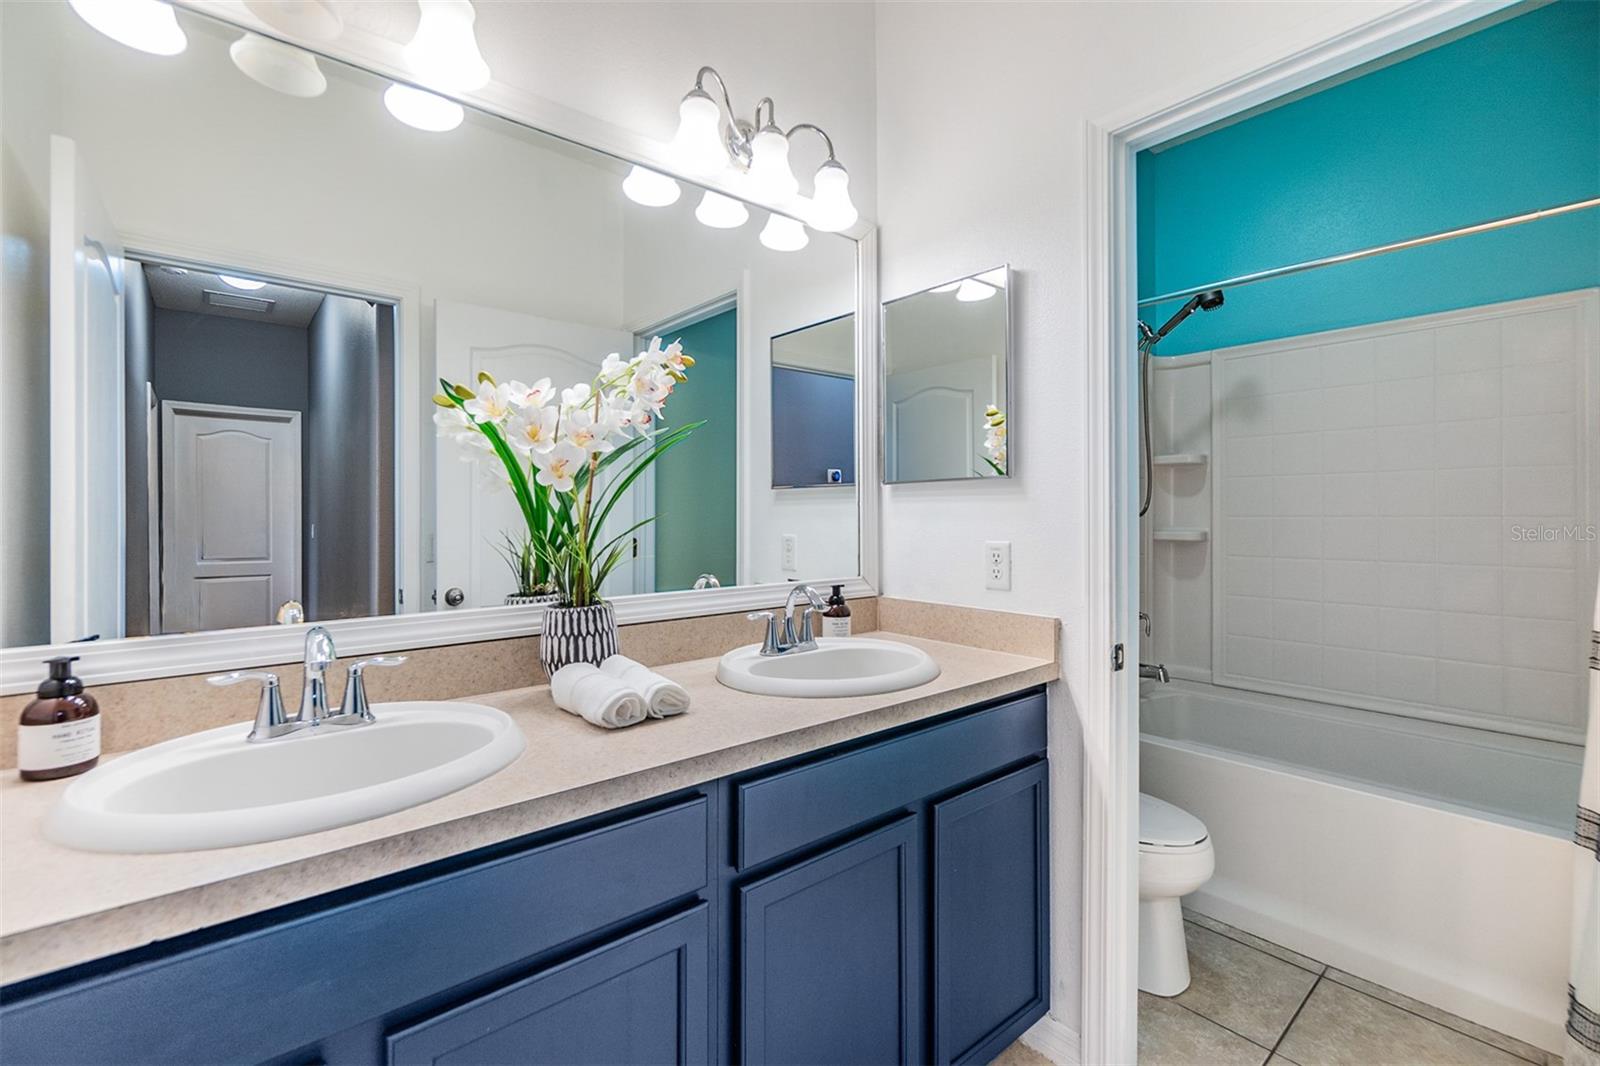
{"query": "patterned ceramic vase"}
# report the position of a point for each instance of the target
(577, 635)
(536, 599)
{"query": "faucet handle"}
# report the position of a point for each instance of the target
(770, 644)
(356, 710)
(270, 719)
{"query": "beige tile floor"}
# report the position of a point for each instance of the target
(1253, 1003)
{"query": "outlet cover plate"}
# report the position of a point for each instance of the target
(997, 564)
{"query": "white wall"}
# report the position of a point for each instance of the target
(980, 161)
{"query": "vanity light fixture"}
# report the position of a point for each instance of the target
(971, 290)
(148, 25)
(711, 137)
(650, 188)
(784, 234)
(443, 53)
(721, 212)
(422, 110)
(285, 68)
(244, 284)
(312, 20)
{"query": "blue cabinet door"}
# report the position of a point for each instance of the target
(990, 920)
(641, 999)
(830, 955)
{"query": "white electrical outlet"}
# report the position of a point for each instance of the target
(791, 549)
(997, 564)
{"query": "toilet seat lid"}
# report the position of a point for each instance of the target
(1163, 825)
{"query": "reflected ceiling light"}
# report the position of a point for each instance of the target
(971, 290)
(650, 188)
(721, 212)
(443, 53)
(995, 277)
(697, 146)
(245, 284)
(312, 20)
(422, 110)
(784, 234)
(289, 70)
(148, 25)
(831, 208)
(711, 136)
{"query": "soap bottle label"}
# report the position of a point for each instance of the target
(836, 627)
(49, 747)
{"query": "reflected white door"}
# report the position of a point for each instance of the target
(230, 516)
(475, 509)
(936, 424)
(87, 535)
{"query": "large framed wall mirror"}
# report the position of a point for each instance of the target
(946, 380)
(227, 308)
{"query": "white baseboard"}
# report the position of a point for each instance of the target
(1054, 1041)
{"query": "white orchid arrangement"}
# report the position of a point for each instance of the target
(994, 439)
(569, 458)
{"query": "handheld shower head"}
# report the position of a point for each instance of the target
(1205, 301)
(1210, 301)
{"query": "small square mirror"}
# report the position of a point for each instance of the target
(946, 380)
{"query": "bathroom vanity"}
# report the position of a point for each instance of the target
(880, 898)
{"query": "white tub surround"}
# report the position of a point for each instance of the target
(1429, 858)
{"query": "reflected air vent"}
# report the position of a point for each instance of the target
(237, 302)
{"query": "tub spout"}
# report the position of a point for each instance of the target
(1158, 672)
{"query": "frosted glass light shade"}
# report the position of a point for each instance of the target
(422, 110)
(148, 25)
(289, 70)
(443, 53)
(721, 212)
(971, 290)
(770, 175)
(647, 187)
(831, 207)
(244, 284)
(314, 20)
(783, 234)
(697, 146)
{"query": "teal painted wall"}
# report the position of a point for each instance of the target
(697, 482)
(1500, 122)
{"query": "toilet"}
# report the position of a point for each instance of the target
(1175, 858)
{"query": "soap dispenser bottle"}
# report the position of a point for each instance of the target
(59, 734)
(836, 619)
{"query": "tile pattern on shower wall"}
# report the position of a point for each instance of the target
(1404, 514)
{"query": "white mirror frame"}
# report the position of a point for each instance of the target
(143, 658)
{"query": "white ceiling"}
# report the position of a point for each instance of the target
(173, 291)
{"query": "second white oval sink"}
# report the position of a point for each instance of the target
(215, 789)
(840, 666)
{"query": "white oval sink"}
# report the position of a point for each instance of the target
(215, 790)
(840, 666)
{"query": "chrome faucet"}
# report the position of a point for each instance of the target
(1158, 672)
(271, 720)
(785, 639)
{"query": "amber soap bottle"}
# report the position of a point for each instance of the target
(59, 734)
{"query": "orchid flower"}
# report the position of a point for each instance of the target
(559, 466)
(492, 403)
(533, 430)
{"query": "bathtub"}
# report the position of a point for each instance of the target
(1430, 858)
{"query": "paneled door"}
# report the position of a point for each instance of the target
(230, 515)
(831, 961)
(926, 407)
(475, 508)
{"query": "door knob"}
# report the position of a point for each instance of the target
(454, 597)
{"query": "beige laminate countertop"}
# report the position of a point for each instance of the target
(59, 907)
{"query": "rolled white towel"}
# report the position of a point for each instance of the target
(597, 698)
(663, 696)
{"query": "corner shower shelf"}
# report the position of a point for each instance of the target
(1183, 536)
(1181, 459)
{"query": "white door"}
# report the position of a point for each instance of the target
(936, 423)
(230, 515)
(474, 509)
(87, 536)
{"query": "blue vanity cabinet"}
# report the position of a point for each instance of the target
(643, 998)
(831, 951)
(990, 895)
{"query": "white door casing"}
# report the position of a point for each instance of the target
(474, 506)
(87, 527)
(230, 526)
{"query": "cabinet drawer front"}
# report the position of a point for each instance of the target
(274, 989)
(804, 804)
(644, 998)
(831, 955)
(990, 953)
